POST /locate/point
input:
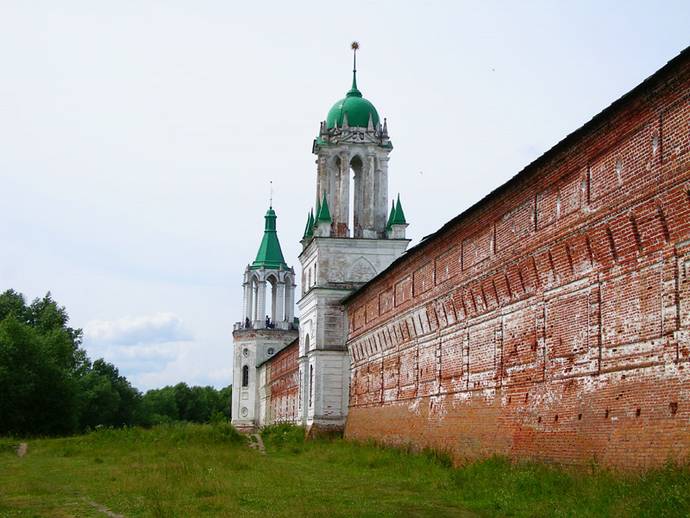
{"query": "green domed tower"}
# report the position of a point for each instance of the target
(346, 242)
(352, 149)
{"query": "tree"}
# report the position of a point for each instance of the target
(48, 385)
(159, 406)
(107, 398)
(39, 393)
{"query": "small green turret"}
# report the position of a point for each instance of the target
(270, 256)
(390, 217)
(324, 215)
(398, 217)
(309, 229)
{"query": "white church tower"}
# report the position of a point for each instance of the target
(347, 241)
(267, 326)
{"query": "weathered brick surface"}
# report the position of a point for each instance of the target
(552, 319)
(283, 385)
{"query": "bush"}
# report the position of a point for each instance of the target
(283, 435)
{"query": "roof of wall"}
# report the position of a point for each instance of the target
(563, 145)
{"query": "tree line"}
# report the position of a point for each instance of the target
(49, 385)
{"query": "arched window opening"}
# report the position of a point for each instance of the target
(255, 300)
(271, 299)
(311, 384)
(306, 343)
(245, 376)
(355, 201)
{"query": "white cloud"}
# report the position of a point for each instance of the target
(133, 359)
(196, 365)
(149, 329)
(158, 349)
(137, 345)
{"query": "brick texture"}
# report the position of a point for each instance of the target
(283, 385)
(552, 319)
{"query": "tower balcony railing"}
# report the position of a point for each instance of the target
(263, 324)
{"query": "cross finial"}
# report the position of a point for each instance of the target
(270, 198)
(354, 46)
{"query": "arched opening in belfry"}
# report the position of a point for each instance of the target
(356, 193)
(271, 298)
(245, 376)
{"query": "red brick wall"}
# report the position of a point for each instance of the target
(283, 385)
(552, 320)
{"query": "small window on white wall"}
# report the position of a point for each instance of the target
(245, 376)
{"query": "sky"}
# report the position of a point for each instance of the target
(138, 138)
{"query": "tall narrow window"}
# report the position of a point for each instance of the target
(245, 376)
(272, 311)
(311, 384)
(356, 201)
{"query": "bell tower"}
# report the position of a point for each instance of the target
(267, 326)
(352, 165)
(348, 239)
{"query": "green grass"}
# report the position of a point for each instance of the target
(208, 470)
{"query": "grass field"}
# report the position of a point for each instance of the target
(195, 470)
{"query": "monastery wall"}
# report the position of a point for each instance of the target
(282, 386)
(552, 319)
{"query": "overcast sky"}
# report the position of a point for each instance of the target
(138, 138)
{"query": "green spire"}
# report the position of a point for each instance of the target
(309, 229)
(306, 228)
(398, 216)
(356, 108)
(324, 214)
(390, 217)
(270, 255)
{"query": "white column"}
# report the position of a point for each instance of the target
(301, 414)
(372, 188)
(247, 306)
(381, 209)
(255, 298)
(322, 178)
(333, 173)
(289, 301)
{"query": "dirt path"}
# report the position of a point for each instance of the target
(257, 442)
(103, 509)
(22, 449)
